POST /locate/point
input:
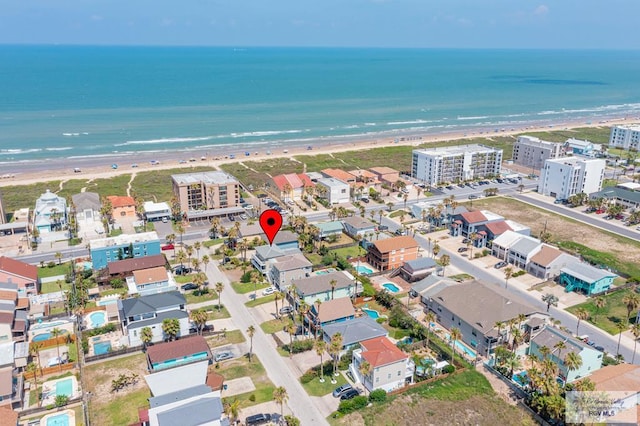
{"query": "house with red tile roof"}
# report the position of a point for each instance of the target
(365, 176)
(392, 253)
(471, 222)
(178, 352)
(340, 175)
(20, 273)
(391, 368)
(122, 206)
(386, 174)
(292, 185)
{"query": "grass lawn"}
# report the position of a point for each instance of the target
(461, 277)
(214, 313)
(315, 388)
(191, 298)
(314, 258)
(122, 410)
(52, 287)
(260, 301)
(610, 315)
(183, 279)
(73, 352)
(244, 288)
(399, 213)
(232, 336)
(61, 269)
(214, 242)
(271, 326)
(346, 252)
(114, 291)
(396, 333)
(241, 367)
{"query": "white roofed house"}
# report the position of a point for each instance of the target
(50, 213)
(156, 211)
(334, 191)
(501, 245)
(521, 252)
(87, 209)
(283, 270)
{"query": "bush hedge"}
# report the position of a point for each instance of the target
(351, 405)
(378, 395)
(299, 346)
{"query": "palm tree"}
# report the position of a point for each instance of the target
(430, 318)
(232, 409)
(582, 314)
(513, 363)
(572, 361)
(445, 260)
(195, 264)
(635, 330)
(205, 261)
(631, 301)
(197, 246)
(303, 309)
(219, 288)
(291, 329)
(320, 346)
(317, 318)
(199, 279)
(544, 351)
(336, 341)
(277, 296)
(189, 250)
(146, 335)
(550, 299)
(559, 346)
(621, 326)
(58, 256)
(436, 249)
(365, 369)
(599, 302)
(255, 277)
(508, 273)
(171, 328)
(180, 230)
(33, 368)
(251, 331)
(199, 317)
(455, 336)
(280, 396)
(181, 257)
(333, 284)
(55, 333)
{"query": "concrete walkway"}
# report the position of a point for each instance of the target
(238, 386)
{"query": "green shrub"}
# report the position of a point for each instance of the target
(519, 273)
(345, 407)
(292, 421)
(85, 344)
(381, 320)
(385, 299)
(449, 369)
(378, 395)
(308, 376)
(359, 402)
(299, 346)
(252, 397)
(246, 277)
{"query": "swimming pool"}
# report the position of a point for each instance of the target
(101, 348)
(363, 270)
(391, 287)
(461, 347)
(47, 325)
(372, 313)
(521, 378)
(180, 361)
(97, 319)
(64, 387)
(45, 336)
(57, 420)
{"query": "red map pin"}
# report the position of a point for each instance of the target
(271, 222)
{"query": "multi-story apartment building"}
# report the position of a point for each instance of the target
(456, 163)
(124, 246)
(207, 194)
(625, 137)
(564, 177)
(392, 252)
(530, 151)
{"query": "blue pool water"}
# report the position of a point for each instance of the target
(372, 313)
(391, 287)
(101, 348)
(363, 270)
(98, 318)
(58, 420)
(462, 347)
(322, 272)
(64, 387)
(179, 361)
(521, 378)
(45, 336)
(47, 325)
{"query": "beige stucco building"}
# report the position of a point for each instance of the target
(207, 194)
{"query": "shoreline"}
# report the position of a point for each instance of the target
(100, 167)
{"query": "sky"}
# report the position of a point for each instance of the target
(583, 24)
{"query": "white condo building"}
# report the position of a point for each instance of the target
(564, 177)
(530, 151)
(455, 163)
(625, 137)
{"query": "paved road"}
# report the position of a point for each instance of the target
(264, 347)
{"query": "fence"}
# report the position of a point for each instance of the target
(45, 410)
(60, 340)
(28, 375)
(110, 354)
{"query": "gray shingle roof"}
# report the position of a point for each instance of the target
(151, 303)
(158, 401)
(549, 336)
(525, 245)
(431, 285)
(86, 201)
(195, 413)
(159, 318)
(420, 264)
(355, 330)
(320, 283)
(586, 272)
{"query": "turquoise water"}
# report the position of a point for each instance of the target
(175, 362)
(58, 420)
(462, 347)
(73, 102)
(98, 318)
(521, 378)
(64, 387)
(322, 272)
(45, 336)
(47, 325)
(101, 348)
(372, 313)
(391, 287)
(363, 270)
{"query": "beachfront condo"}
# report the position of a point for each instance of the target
(532, 152)
(564, 177)
(207, 194)
(625, 137)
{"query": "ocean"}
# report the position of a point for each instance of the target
(90, 102)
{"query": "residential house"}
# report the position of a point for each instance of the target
(521, 252)
(292, 185)
(622, 383)
(548, 262)
(333, 190)
(284, 270)
(151, 281)
(156, 211)
(87, 208)
(123, 268)
(428, 286)
(563, 177)
(628, 198)
(319, 287)
(122, 206)
(9, 293)
(149, 311)
(386, 174)
(392, 253)
(532, 152)
(286, 240)
(50, 213)
(24, 275)
(365, 176)
(353, 331)
(550, 336)
(328, 229)
(436, 214)
(340, 175)
(13, 322)
(584, 278)
(417, 269)
(264, 254)
(358, 227)
(332, 311)
(477, 320)
(249, 229)
(111, 249)
(11, 381)
(500, 246)
(391, 368)
(492, 230)
(455, 164)
(584, 148)
(467, 223)
(203, 195)
(178, 352)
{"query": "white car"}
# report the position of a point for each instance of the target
(267, 291)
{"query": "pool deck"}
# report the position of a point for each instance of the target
(88, 322)
(71, 415)
(49, 390)
(113, 337)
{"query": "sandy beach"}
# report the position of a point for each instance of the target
(95, 168)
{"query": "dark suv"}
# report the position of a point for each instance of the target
(258, 419)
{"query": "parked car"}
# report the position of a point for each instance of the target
(267, 291)
(462, 249)
(258, 419)
(286, 310)
(350, 394)
(401, 231)
(189, 286)
(473, 197)
(221, 356)
(341, 390)
(364, 200)
(194, 329)
(500, 265)
(599, 348)
(465, 240)
(182, 270)
(168, 247)
(383, 228)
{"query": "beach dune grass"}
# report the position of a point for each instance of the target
(156, 184)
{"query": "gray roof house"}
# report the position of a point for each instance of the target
(87, 205)
(264, 254)
(284, 270)
(329, 228)
(356, 226)
(521, 252)
(416, 269)
(319, 287)
(429, 286)
(354, 331)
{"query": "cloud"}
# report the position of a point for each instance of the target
(541, 10)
